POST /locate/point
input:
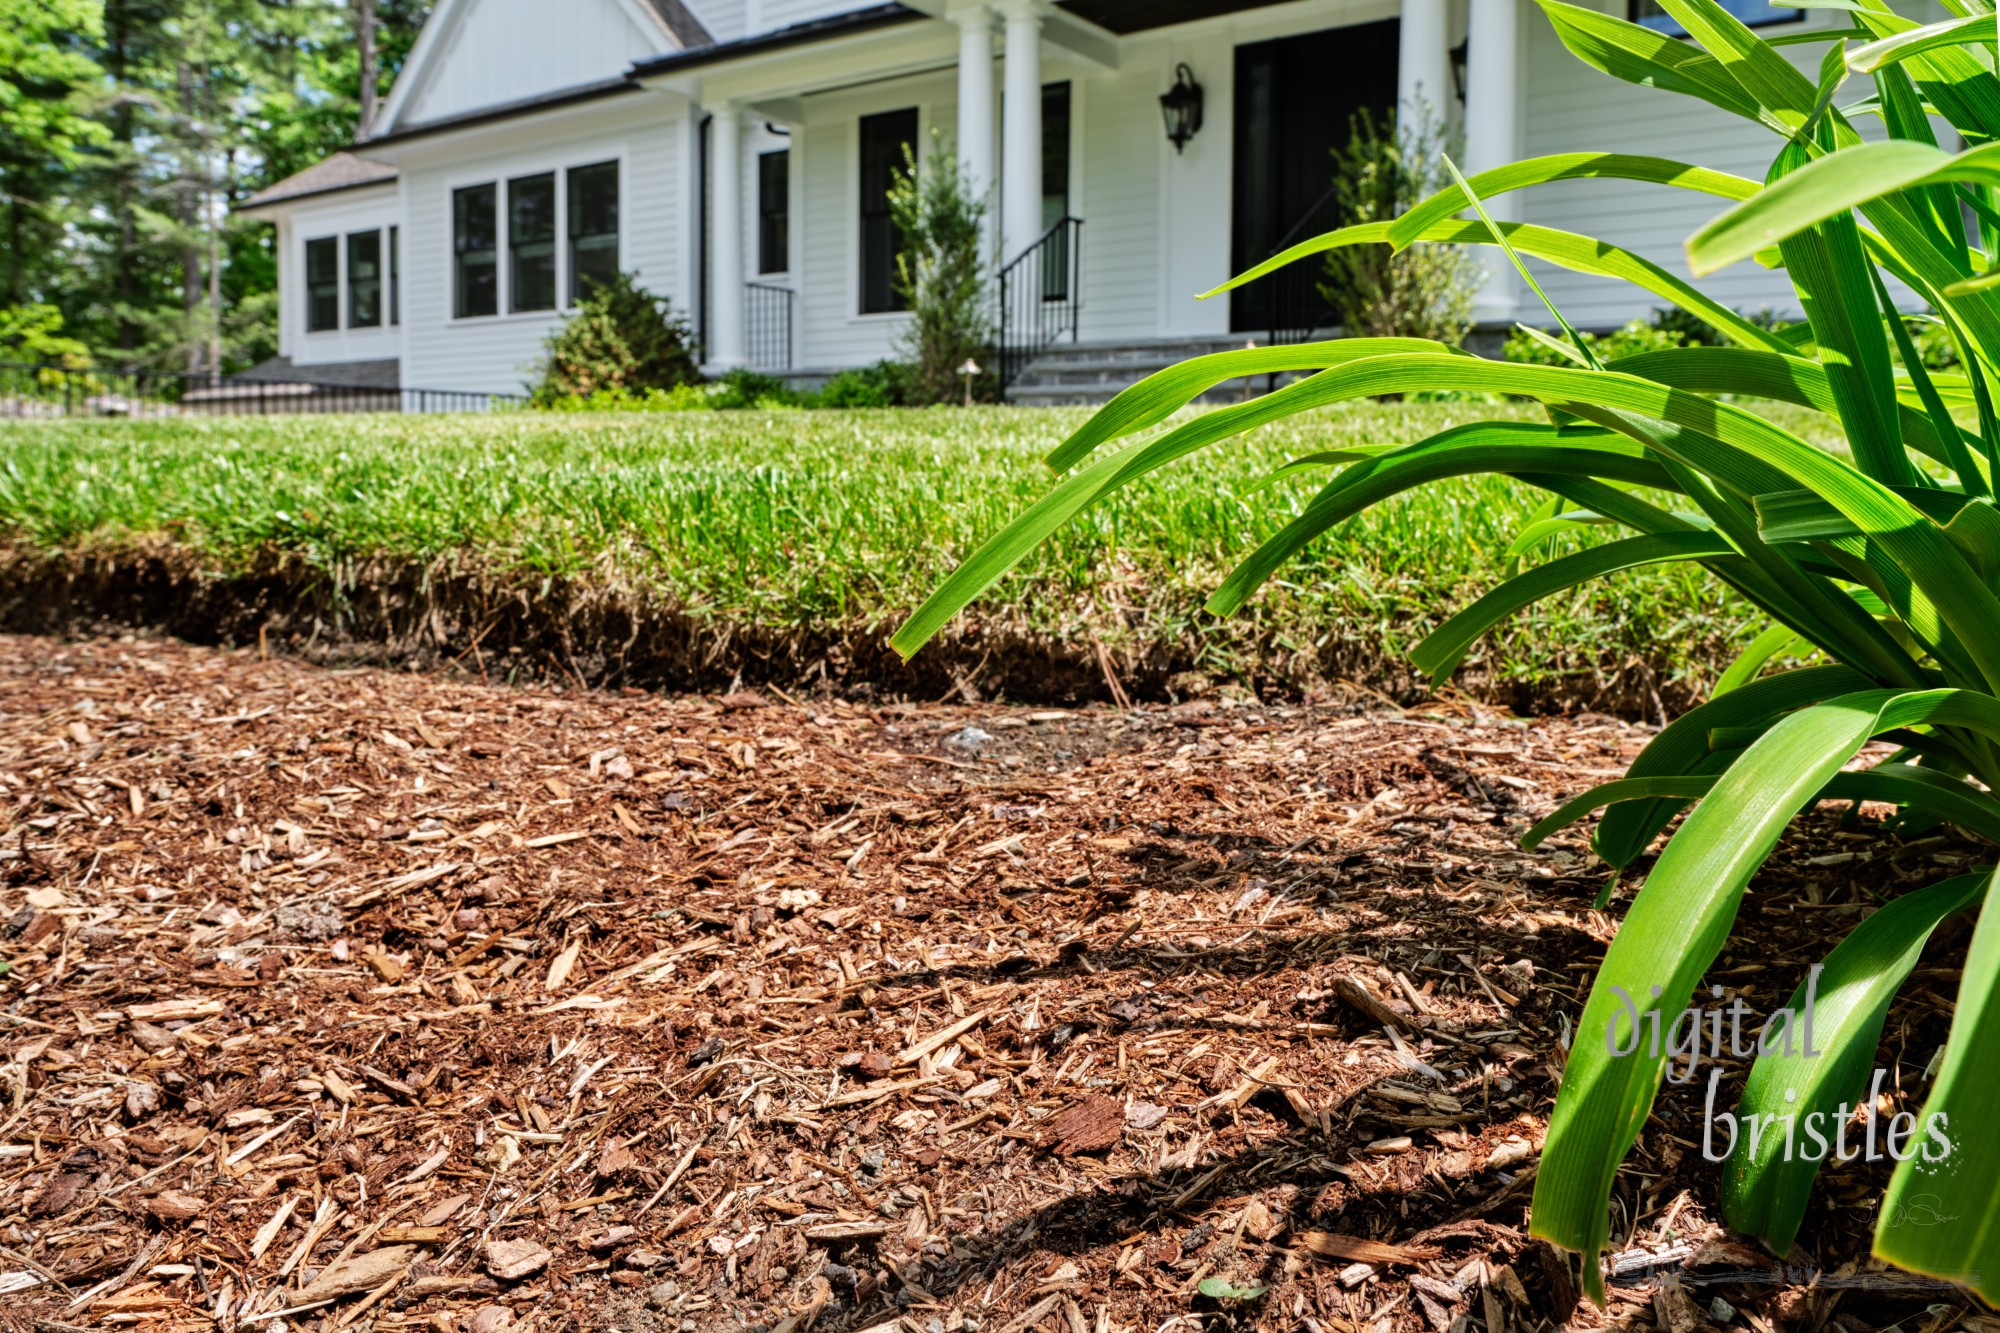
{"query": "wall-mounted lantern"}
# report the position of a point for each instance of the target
(1459, 56)
(1181, 105)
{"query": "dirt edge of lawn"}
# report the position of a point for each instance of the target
(519, 627)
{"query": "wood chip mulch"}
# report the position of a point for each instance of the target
(358, 999)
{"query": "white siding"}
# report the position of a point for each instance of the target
(374, 208)
(499, 353)
(772, 14)
(499, 51)
(1573, 108)
(728, 20)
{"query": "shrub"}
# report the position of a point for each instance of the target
(879, 385)
(1666, 330)
(1380, 293)
(740, 388)
(1876, 564)
(622, 340)
(941, 275)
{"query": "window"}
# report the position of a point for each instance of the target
(531, 242)
(593, 227)
(476, 275)
(1755, 13)
(774, 212)
(395, 275)
(322, 284)
(885, 140)
(364, 280)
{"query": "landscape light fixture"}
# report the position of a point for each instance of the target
(1181, 106)
(967, 372)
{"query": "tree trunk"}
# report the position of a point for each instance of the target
(188, 214)
(364, 39)
(125, 262)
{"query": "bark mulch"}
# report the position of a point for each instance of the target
(351, 999)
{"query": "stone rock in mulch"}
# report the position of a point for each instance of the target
(309, 919)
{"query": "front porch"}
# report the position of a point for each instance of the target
(1100, 229)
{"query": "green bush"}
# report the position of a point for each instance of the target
(1876, 565)
(622, 342)
(739, 389)
(879, 385)
(1380, 174)
(1666, 330)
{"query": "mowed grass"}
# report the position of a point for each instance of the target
(847, 519)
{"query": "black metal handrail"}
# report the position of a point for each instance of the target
(1040, 296)
(767, 324)
(34, 390)
(1298, 308)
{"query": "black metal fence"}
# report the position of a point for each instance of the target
(1298, 307)
(767, 319)
(1040, 297)
(33, 391)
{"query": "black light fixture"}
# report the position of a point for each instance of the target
(1181, 105)
(1458, 58)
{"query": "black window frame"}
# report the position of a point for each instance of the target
(1058, 119)
(885, 138)
(588, 239)
(470, 259)
(363, 279)
(1663, 22)
(322, 290)
(774, 211)
(531, 246)
(395, 275)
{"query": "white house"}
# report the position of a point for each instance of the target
(734, 155)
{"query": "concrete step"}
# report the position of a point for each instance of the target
(1091, 373)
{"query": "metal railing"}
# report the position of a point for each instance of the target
(1040, 296)
(1298, 309)
(767, 325)
(31, 391)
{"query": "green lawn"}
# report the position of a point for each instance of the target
(841, 521)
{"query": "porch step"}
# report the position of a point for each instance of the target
(1091, 373)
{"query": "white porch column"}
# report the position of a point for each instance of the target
(1493, 133)
(1021, 136)
(726, 348)
(975, 109)
(1423, 71)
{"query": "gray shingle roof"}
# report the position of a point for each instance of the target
(342, 171)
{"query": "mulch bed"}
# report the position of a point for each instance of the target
(419, 1002)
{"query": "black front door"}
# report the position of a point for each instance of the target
(1295, 97)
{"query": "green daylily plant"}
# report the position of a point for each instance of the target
(1877, 565)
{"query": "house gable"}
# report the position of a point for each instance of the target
(476, 54)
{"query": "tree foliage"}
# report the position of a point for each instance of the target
(129, 129)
